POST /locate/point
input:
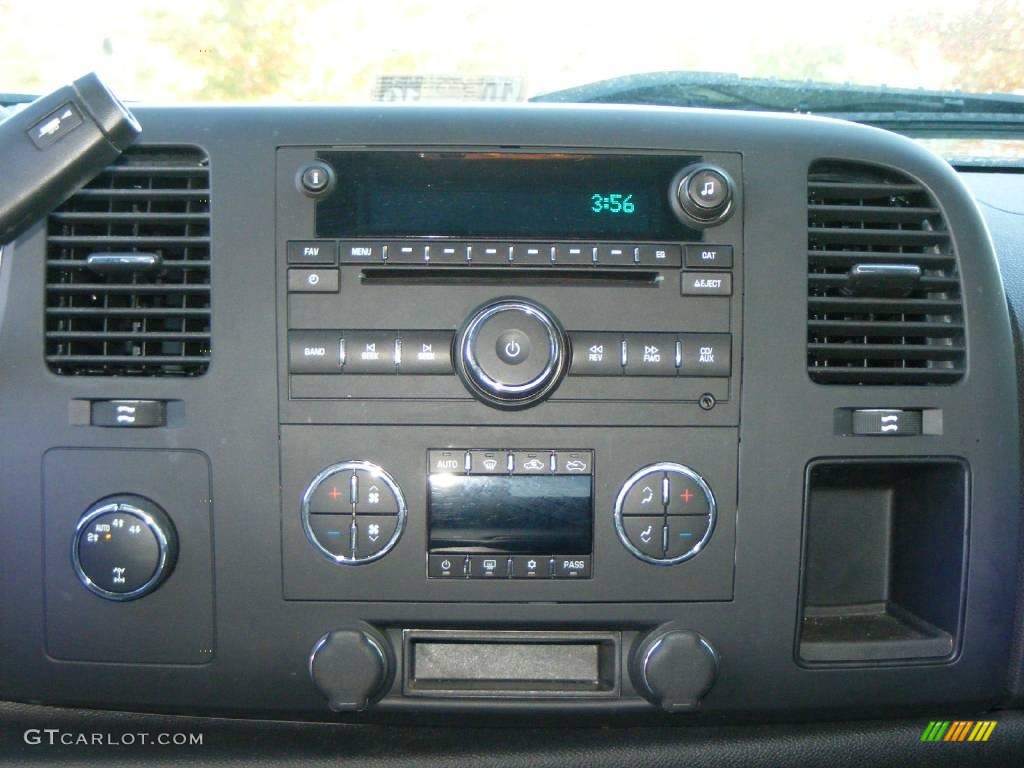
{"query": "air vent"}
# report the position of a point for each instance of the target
(128, 269)
(883, 291)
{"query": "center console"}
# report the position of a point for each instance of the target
(581, 410)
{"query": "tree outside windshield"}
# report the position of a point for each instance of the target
(320, 51)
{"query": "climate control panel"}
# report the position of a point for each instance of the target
(353, 512)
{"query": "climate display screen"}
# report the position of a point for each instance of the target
(511, 515)
(501, 194)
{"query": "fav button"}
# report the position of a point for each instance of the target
(312, 252)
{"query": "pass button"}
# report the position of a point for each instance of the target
(572, 567)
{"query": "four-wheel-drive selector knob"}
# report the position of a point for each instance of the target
(511, 353)
(124, 547)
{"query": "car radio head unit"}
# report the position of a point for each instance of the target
(501, 194)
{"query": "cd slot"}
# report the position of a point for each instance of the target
(505, 276)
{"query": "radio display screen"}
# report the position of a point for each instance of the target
(501, 194)
(511, 514)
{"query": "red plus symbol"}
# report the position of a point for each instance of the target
(686, 496)
(334, 494)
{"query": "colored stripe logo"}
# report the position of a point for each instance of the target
(958, 730)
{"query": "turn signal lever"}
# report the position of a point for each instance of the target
(54, 146)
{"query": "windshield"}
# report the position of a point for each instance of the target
(261, 51)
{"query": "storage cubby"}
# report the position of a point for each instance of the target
(885, 544)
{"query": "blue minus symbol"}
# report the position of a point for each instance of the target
(334, 533)
(686, 534)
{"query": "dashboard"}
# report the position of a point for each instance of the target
(327, 413)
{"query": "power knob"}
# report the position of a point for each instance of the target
(352, 666)
(511, 353)
(702, 195)
(673, 668)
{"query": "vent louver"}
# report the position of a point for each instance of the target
(128, 269)
(904, 325)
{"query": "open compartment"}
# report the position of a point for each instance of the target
(530, 665)
(884, 561)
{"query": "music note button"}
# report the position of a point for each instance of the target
(708, 189)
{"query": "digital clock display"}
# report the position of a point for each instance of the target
(502, 194)
(614, 203)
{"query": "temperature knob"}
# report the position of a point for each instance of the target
(124, 547)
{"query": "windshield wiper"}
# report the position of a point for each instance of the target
(944, 111)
